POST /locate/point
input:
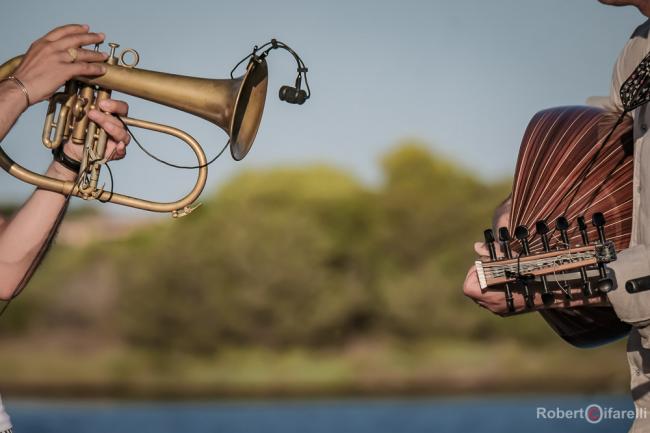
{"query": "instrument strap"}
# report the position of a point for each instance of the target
(634, 92)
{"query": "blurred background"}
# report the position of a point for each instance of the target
(318, 288)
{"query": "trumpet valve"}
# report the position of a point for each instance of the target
(78, 110)
(112, 57)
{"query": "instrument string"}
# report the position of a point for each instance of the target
(519, 267)
(600, 186)
(577, 184)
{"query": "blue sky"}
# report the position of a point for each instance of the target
(463, 77)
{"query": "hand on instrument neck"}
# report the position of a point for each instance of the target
(495, 300)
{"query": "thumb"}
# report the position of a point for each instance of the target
(481, 249)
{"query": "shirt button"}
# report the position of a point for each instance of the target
(644, 127)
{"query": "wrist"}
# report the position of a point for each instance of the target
(13, 95)
(73, 151)
(56, 170)
(64, 161)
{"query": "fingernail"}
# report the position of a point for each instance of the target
(85, 26)
(104, 104)
(101, 35)
(102, 69)
(104, 54)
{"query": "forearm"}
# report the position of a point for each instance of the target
(49, 62)
(25, 235)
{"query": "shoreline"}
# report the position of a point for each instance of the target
(370, 369)
(403, 389)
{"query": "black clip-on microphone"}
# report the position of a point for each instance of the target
(292, 95)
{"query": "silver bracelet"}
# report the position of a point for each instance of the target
(21, 86)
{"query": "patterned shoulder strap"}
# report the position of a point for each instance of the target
(635, 91)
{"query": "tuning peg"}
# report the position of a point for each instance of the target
(562, 225)
(542, 230)
(489, 241)
(504, 240)
(605, 284)
(598, 220)
(541, 227)
(582, 226)
(521, 233)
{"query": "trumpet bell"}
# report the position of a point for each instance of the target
(234, 105)
(249, 106)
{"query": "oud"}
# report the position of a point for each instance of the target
(571, 211)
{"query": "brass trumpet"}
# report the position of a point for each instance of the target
(235, 105)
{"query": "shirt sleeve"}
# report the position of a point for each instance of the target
(631, 55)
(633, 262)
(633, 308)
(613, 103)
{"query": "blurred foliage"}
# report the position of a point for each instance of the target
(288, 257)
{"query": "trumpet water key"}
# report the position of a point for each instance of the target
(235, 105)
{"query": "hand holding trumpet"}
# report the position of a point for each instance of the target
(53, 60)
(57, 57)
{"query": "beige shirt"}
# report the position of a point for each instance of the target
(634, 262)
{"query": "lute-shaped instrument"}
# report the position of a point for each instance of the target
(573, 161)
(569, 167)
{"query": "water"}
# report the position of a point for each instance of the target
(477, 415)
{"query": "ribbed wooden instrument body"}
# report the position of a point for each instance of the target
(558, 146)
(556, 150)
